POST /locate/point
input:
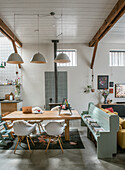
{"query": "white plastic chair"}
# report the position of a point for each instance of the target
(54, 130)
(38, 122)
(23, 129)
(56, 108)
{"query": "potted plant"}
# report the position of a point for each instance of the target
(105, 94)
(17, 89)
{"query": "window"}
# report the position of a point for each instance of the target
(72, 54)
(117, 58)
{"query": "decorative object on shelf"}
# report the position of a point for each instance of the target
(111, 84)
(111, 90)
(3, 64)
(11, 96)
(62, 57)
(10, 82)
(17, 89)
(105, 94)
(14, 58)
(88, 89)
(38, 57)
(103, 81)
(92, 88)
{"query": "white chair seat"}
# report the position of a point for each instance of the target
(54, 129)
(56, 108)
(38, 122)
(23, 128)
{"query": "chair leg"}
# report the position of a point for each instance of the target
(60, 144)
(28, 144)
(31, 140)
(39, 128)
(48, 144)
(20, 140)
(61, 140)
(16, 144)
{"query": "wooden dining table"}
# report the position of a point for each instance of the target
(46, 115)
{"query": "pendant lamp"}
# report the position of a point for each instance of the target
(38, 58)
(62, 57)
(14, 58)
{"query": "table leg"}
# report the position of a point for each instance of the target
(67, 130)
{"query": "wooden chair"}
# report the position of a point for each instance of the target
(5, 133)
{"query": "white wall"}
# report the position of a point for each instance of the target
(78, 77)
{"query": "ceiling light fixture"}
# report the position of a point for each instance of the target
(14, 58)
(38, 58)
(62, 57)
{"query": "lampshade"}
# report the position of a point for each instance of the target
(15, 58)
(62, 58)
(38, 58)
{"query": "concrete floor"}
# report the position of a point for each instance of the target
(77, 159)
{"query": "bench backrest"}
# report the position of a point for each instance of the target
(108, 122)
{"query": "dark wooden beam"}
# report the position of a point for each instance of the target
(7, 32)
(15, 49)
(113, 17)
(94, 54)
(55, 70)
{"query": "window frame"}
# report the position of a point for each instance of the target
(67, 64)
(118, 59)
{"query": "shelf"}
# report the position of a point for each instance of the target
(7, 84)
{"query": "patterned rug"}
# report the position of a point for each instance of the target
(41, 141)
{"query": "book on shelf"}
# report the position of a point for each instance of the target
(97, 130)
(86, 116)
(90, 120)
(95, 125)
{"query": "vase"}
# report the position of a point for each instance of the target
(105, 100)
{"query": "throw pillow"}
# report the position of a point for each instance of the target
(110, 109)
(116, 113)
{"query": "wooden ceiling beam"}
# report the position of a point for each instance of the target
(7, 32)
(113, 17)
(94, 54)
(4, 29)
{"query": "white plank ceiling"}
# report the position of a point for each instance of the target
(81, 19)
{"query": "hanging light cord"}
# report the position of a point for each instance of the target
(62, 29)
(38, 30)
(14, 28)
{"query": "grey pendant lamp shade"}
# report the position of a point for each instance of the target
(15, 58)
(62, 58)
(38, 58)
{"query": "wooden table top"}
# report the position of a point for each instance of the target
(46, 115)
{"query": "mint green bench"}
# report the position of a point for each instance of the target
(107, 140)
